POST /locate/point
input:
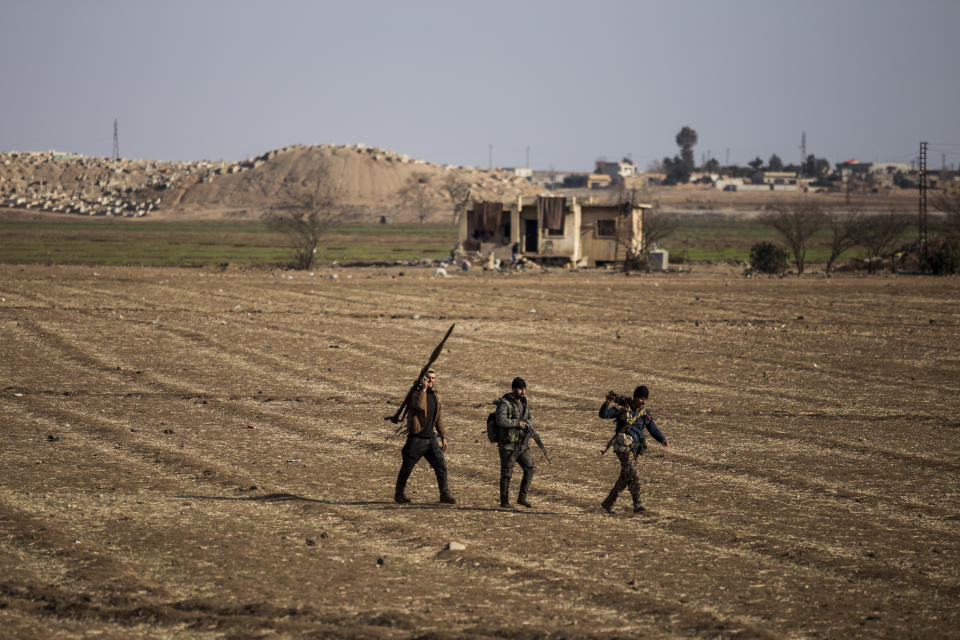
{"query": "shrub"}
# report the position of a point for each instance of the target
(945, 258)
(767, 257)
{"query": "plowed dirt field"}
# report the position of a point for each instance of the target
(191, 453)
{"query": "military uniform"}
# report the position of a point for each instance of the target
(511, 411)
(628, 444)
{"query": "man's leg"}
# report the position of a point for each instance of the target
(621, 483)
(528, 465)
(633, 483)
(434, 456)
(411, 454)
(507, 461)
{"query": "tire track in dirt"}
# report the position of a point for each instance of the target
(548, 354)
(716, 472)
(197, 337)
(560, 497)
(143, 451)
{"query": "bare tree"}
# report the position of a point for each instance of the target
(657, 225)
(654, 227)
(458, 190)
(880, 234)
(797, 223)
(415, 195)
(845, 230)
(949, 202)
(305, 222)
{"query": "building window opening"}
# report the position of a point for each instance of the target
(606, 228)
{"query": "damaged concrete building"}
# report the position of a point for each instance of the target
(554, 230)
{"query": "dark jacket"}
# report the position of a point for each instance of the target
(626, 423)
(417, 412)
(511, 410)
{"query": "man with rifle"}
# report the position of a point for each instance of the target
(515, 430)
(629, 441)
(426, 437)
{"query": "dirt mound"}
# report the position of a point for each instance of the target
(363, 182)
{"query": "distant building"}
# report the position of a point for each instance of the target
(548, 229)
(775, 178)
(620, 169)
(522, 172)
(599, 181)
(872, 175)
(549, 179)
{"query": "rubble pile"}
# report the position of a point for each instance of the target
(363, 178)
(70, 183)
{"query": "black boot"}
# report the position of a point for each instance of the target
(399, 495)
(505, 492)
(524, 486)
(607, 504)
(638, 508)
(446, 498)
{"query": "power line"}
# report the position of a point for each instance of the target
(922, 218)
(116, 141)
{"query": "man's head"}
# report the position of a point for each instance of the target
(640, 395)
(430, 377)
(519, 386)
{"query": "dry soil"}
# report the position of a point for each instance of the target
(194, 453)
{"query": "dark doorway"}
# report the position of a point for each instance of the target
(530, 236)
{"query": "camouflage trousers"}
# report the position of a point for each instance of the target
(629, 479)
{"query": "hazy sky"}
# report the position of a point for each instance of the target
(444, 80)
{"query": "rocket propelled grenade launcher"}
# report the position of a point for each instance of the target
(401, 414)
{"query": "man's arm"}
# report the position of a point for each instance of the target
(655, 431)
(418, 397)
(439, 423)
(609, 410)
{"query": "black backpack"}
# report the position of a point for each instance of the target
(493, 431)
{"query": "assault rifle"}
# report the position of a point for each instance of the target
(609, 444)
(401, 414)
(619, 400)
(532, 433)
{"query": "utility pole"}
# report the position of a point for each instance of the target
(803, 151)
(490, 157)
(116, 141)
(922, 217)
(528, 157)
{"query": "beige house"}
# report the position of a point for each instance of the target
(553, 230)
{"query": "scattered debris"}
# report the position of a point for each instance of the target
(455, 546)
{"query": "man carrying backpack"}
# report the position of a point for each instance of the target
(426, 438)
(513, 419)
(629, 441)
